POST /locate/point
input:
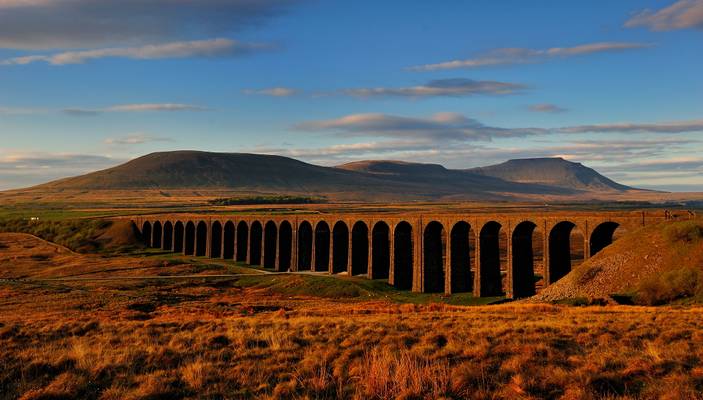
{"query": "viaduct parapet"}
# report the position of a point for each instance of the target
(505, 254)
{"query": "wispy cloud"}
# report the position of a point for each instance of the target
(469, 154)
(274, 91)
(144, 107)
(613, 150)
(29, 160)
(633, 127)
(21, 169)
(440, 126)
(506, 56)
(7, 4)
(136, 138)
(682, 14)
(664, 172)
(634, 161)
(197, 48)
(457, 127)
(154, 107)
(81, 24)
(456, 87)
(546, 108)
(18, 111)
(348, 150)
(671, 164)
(618, 151)
(452, 87)
(80, 112)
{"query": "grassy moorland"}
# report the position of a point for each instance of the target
(184, 333)
(211, 341)
(117, 321)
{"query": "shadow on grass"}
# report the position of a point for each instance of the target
(351, 288)
(310, 284)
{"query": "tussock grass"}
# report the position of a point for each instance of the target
(230, 342)
(688, 231)
(683, 280)
(682, 283)
(281, 337)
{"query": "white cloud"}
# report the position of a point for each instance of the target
(633, 127)
(452, 87)
(144, 107)
(22, 169)
(456, 141)
(682, 14)
(154, 107)
(466, 154)
(546, 108)
(348, 150)
(7, 4)
(197, 48)
(505, 56)
(442, 87)
(685, 164)
(18, 111)
(457, 127)
(440, 126)
(593, 48)
(81, 24)
(633, 161)
(136, 138)
(274, 91)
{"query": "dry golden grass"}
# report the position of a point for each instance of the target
(353, 351)
(212, 339)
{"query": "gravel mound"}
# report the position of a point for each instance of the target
(622, 266)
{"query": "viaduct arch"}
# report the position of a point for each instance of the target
(510, 254)
(340, 247)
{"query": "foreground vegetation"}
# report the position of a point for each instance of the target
(213, 340)
(115, 335)
(681, 283)
(653, 265)
(145, 324)
(76, 234)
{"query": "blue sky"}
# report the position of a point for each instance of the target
(87, 84)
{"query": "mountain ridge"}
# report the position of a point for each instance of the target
(551, 171)
(367, 179)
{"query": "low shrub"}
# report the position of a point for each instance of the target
(688, 231)
(77, 235)
(583, 301)
(585, 275)
(670, 286)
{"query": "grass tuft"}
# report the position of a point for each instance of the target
(687, 232)
(678, 284)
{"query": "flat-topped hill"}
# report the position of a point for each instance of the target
(363, 180)
(551, 171)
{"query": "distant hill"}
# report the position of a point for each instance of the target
(364, 180)
(553, 172)
(197, 169)
(435, 175)
(390, 168)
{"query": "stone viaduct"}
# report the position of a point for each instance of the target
(487, 254)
